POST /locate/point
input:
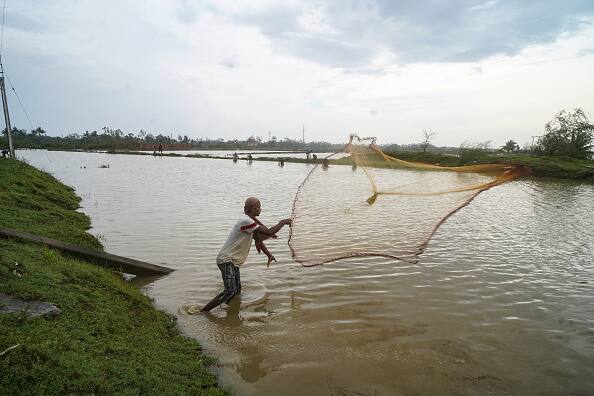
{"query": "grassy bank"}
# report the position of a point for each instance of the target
(555, 167)
(109, 338)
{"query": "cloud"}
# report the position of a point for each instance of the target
(328, 50)
(483, 6)
(14, 19)
(350, 34)
(186, 12)
(370, 71)
(586, 52)
(231, 62)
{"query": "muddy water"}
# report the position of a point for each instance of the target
(502, 301)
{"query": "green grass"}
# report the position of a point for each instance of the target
(555, 167)
(558, 167)
(109, 338)
(36, 202)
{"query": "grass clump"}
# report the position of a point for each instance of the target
(34, 201)
(109, 338)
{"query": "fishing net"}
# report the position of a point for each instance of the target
(380, 205)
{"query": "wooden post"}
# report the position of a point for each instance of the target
(6, 115)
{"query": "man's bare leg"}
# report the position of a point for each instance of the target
(215, 302)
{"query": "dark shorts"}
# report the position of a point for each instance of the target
(231, 280)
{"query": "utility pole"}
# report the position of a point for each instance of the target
(304, 134)
(6, 115)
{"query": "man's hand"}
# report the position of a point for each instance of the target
(286, 221)
(271, 258)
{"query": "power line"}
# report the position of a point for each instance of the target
(21, 103)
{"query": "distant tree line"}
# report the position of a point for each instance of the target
(568, 134)
(116, 139)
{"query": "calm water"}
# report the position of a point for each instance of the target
(502, 302)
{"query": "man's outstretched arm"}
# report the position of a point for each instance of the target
(272, 230)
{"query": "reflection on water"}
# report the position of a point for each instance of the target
(502, 301)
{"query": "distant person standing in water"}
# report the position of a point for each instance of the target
(160, 148)
(237, 247)
(154, 149)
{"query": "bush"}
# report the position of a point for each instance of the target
(569, 134)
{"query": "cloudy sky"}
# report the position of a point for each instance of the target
(471, 70)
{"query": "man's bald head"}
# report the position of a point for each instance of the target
(252, 206)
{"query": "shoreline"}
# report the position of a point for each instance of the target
(109, 338)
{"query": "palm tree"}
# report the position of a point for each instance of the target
(510, 146)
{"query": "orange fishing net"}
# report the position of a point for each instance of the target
(381, 205)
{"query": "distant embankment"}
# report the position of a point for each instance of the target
(152, 146)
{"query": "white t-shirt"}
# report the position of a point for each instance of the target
(238, 243)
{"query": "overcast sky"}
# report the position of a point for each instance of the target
(473, 71)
